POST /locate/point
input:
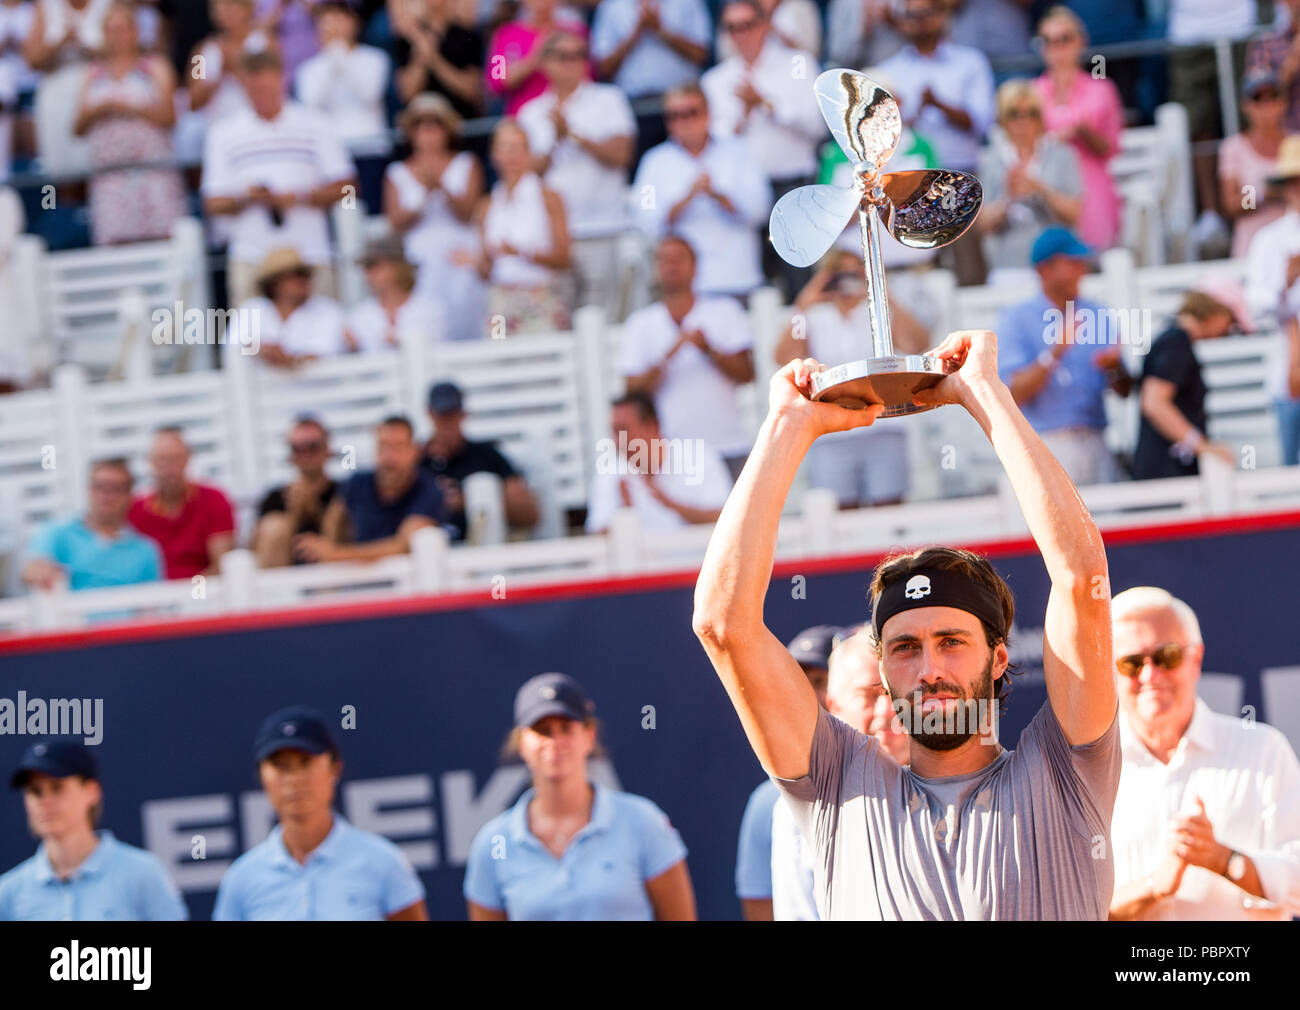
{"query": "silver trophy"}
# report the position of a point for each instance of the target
(923, 209)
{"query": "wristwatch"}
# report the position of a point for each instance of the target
(1236, 868)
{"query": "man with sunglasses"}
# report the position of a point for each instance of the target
(296, 507)
(1207, 817)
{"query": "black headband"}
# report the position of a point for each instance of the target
(938, 588)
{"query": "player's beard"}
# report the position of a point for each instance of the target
(963, 725)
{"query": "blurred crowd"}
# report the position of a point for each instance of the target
(512, 147)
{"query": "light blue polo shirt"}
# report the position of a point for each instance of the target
(601, 875)
(754, 853)
(1073, 394)
(352, 875)
(95, 561)
(115, 882)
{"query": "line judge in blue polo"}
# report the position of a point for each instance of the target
(570, 849)
(314, 865)
(79, 874)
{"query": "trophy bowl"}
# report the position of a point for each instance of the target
(891, 380)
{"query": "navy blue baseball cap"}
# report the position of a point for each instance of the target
(297, 727)
(56, 758)
(551, 694)
(1057, 241)
(812, 646)
(446, 398)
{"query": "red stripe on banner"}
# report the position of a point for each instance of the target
(401, 606)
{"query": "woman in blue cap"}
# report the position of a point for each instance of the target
(79, 874)
(314, 865)
(570, 849)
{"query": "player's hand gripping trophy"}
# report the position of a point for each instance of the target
(924, 209)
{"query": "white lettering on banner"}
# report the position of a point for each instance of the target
(399, 807)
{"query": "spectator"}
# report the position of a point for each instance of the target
(1278, 53)
(1172, 431)
(64, 36)
(947, 90)
(79, 873)
(289, 325)
(1194, 25)
(99, 549)
(647, 47)
(524, 232)
(669, 483)
(582, 136)
(622, 859)
(274, 171)
(862, 33)
(430, 200)
(379, 510)
(17, 80)
(193, 523)
(347, 83)
(437, 54)
(20, 302)
(289, 23)
(1232, 848)
(1031, 180)
(314, 865)
(1247, 159)
(691, 354)
(811, 649)
(297, 507)
(394, 312)
(217, 92)
(452, 458)
(865, 466)
(709, 191)
(796, 24)
(515, 53)
(1085, 112)
(1058, 354)
(997, 28)
(764, 94)
(125, 110)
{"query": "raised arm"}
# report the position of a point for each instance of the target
(1076, 635)
(776, 704)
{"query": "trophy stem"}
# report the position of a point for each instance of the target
(882, 338)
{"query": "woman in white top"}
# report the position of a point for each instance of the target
(526, 253)
(65, 35)
(429, 199)
(395, 311)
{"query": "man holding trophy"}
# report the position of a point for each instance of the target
(968, 830)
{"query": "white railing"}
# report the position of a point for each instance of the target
(815, 530)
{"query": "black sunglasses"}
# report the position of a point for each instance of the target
(1168, 657)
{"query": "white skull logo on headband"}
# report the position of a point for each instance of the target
(917, 587)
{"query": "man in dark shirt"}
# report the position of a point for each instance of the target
(377, 511)
(300, 506)
(451, 457)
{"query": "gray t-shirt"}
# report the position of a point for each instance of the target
(1027, 837)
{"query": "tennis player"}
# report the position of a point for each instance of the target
(969, 829)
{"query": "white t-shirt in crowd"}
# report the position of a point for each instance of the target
(296, 152)
(348, 84)
(1206, 20)
(315, 327)
(595, 196)
(695, 400)
(692, 473)
(419, 317)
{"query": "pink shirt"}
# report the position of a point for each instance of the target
(512, 42)
(1238, 160)
(1095, 102)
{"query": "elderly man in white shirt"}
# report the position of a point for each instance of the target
(582, 136)
(691, 354)
(708, 190)
(273, 171)
(669, 483)
(648, 46)
(287, 324)
(1207, 817)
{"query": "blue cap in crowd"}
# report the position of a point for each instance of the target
(1057, 241)
(551, 694)
(297, 727)
(58, 759)
(812, 646)
(445, 398)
